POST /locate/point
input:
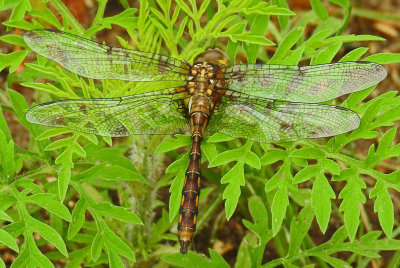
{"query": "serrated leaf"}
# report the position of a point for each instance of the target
(235, 178)
(352, 195)
(321, 196)
(383, 206)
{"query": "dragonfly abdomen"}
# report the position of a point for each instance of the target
(190, 196)
(199, 113)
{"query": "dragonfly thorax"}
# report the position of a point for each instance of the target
(213, 56)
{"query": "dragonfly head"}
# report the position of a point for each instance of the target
(214, 56)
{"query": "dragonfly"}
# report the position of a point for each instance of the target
(258, 102)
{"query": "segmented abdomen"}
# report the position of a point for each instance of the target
(190, 196)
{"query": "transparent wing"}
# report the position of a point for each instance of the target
(99, 61)
(312, 84)
(157, 112)
(276, 121)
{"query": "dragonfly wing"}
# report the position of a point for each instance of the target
(99, 61)
(277, 121)
(312, 84)
(157, 112)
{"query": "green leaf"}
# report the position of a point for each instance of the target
(260, 216)
(249, 38)
(114, 260)
(7, 157)
(105, 171)
(327, 53)
(209, 150)
(113, 241)
(352, 195)
(195, 260)
(278, 207)
(4, 126)
(125, 19)
(308, 153)
(63, 178)
(4, 216)
(299, 227)
(226, 157)
(178, 165)
(273, 155)
(384, 58)
(13, 59)
(354, 55)
(13, 39)
(319, 9)
(219, 137)
(252, 160)
(47, 15)
(8, 240)
(48, 233)
(177, 186)
(78, 218)
(46, 201)
(321, 196)
(59, 144)
(331, 166)
(97, 246)
(307, 173)
(20, 10)
(119, 213)
(170, 144)
(288, 42)
(50, 133)
(235, 178)
(383, 206)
